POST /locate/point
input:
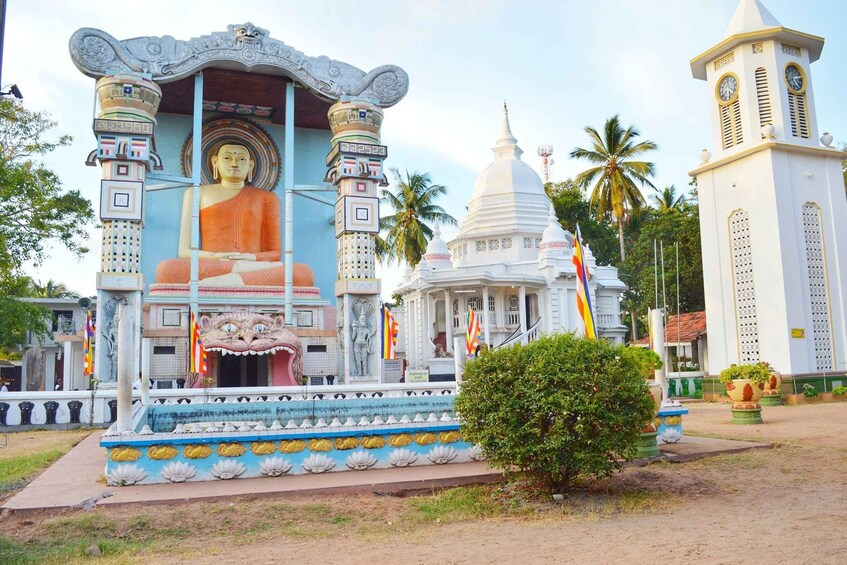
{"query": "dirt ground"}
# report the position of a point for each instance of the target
(781, 505)
(784, 505)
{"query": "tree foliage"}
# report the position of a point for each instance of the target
(668, 199)
(671, 226)
(616, 173)
(51, 289)
(34, 212)
(556, 409)
(406, 230)
(571, 209)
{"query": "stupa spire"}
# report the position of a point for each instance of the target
(506, 146)
(750, 15)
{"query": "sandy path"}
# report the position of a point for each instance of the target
(786, 505)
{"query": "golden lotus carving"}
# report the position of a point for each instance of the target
(162, 452)
(123, 454)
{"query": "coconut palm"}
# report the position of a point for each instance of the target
(51, 289)
(667, 199)
(414, 204)
(616, 174)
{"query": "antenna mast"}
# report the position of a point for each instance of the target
(545, 152)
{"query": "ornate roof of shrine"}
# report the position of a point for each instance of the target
(241, 47)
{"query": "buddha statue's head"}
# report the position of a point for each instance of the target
(233, 164)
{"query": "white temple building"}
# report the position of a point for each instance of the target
(511, 262)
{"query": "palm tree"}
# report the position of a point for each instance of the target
(615, 175)
(667, 199)
(414, 204)
(51, 289)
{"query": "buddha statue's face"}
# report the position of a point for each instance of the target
(233, 163)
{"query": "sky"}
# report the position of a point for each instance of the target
(561, 66)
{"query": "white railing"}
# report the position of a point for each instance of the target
(608, 321)
(102, 411)
(513, 318)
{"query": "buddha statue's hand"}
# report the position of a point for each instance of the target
(231, 256)
(241, 257)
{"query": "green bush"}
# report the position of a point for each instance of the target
(839, 391)
(757, 374)
(647, 361)
(809, 391)
(556, 409)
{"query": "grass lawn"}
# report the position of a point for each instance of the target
(23, 454)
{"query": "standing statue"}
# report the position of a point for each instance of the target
(363, 334)
(112, 312)
(240, 231)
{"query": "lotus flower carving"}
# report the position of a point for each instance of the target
(671, 435)
(360, 460)
(179, 472)
(275, 466)
(318, 463)
(442, 454)
(125, 475)
(476, 453)
(228, 469)
(402, 458)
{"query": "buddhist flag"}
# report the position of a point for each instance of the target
(390, 327)
(583, 295)
(197, 361)
(472, 338)
(88, 346)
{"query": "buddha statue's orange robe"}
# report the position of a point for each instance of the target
(246, 223)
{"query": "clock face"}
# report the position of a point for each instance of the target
(794, 78)
(727, 88)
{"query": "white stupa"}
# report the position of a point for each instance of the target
(511, 262)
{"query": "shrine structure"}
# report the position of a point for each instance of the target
(195, 139)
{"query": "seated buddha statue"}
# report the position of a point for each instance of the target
(240, 239)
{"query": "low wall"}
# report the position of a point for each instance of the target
(238, 442)
(95, 408)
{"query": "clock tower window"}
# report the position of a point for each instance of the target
(731, 124)
(763, 96)
(799, 115)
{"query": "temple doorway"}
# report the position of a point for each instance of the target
(242, 370)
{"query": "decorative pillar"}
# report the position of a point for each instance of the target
(68, 366)
(355, 167)
(522, 310)
(146, 350)
(657, 323)
(124, 129)
(485, 321)
(448, 322)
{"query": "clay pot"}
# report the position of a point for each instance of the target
(655, 394)
(744, 394)
(772, 386)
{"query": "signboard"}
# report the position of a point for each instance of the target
(799, 333)
(417, 376)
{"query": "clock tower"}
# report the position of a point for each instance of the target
(773, 211)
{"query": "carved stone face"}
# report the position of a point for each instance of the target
(233, 163)
(247, 333)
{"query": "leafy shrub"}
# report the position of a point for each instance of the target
(556, 409)
(809, 391)
(757, 374)
(839, 391)
(647, 361)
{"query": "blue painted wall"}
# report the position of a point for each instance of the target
(314, 234)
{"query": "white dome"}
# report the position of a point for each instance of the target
(507, 176)
(508, 194)
(555, 238)
(436, 250)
